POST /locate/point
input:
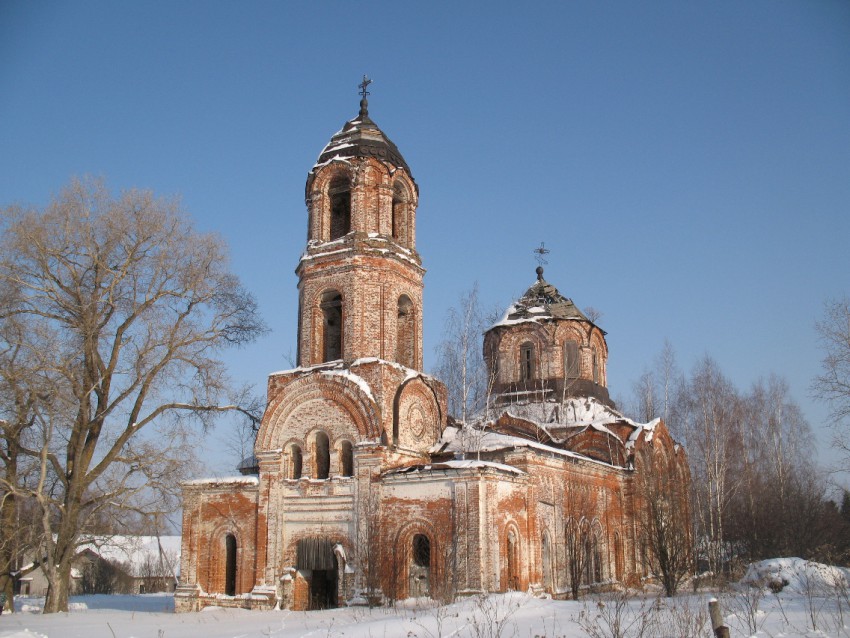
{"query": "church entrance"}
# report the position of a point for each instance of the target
(420, 567)
(316, 560)
(323, 589)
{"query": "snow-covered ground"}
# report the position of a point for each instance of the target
(813, 602)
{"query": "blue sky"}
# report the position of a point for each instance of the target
(688, 164)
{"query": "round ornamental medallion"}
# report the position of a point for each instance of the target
(416, 422)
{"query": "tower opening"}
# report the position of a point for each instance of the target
(340, 196)
(595, 364)
(405, 349)
(571, 362)
(399, 214)
(331, 326)
(526, 355)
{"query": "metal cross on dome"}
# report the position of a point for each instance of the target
(541, 251)
(363, 86)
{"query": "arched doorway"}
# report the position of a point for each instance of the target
(317, 562)
(420, 567)
(230, 565)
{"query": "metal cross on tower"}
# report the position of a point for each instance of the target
(541, 251)
(363, 86)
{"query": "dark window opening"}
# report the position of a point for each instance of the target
(526, 362)
(595, 366)
(296, 460)
(571, 361)
(346, 453)
(405, 350)
(323, 456)
(340, 194)
(331, 326)
(399, 215)
(421, 550)
(230, 565)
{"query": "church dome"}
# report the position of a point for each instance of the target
(545, 349)
(543, 301)
(361, 137)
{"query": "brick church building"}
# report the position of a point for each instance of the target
(363, 488)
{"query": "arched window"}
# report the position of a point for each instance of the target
(323, 456)
(230, 565)
(618, 556)
(346, 458)
(546, 555)
(595, 363)
(571, 360)
(592, 558)
(339, 193)
(513, 561)
(399, 214)
(405, 339)
(295, 458)
(526, 361)
(331, 326)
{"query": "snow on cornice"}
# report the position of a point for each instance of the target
(392, 248)
(455, 464)
(409, 373)
(225, 480)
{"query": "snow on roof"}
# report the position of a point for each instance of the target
(585, 411)
(348, 374)
(469, 440)
(647, 429)
(135, 551)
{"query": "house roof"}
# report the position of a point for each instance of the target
(135, 551)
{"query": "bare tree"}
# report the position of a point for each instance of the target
(711, 424)
(664, 526)
(460, 360)
(139, 306)
(833, 384)
(579, 511)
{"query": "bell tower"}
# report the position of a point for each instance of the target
(360, 277)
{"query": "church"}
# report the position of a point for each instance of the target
(362, 489)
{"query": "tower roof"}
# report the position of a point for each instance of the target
(542, 301)
(361, 137)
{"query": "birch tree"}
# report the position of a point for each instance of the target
(711, 425)
(833, 384)
(138, 307)
(460, 361)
